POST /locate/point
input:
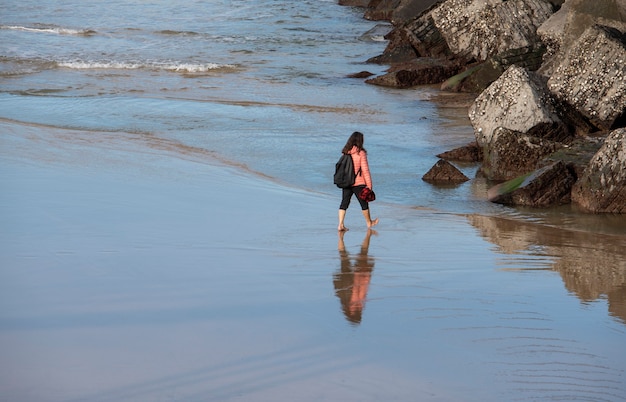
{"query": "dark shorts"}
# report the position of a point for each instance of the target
(346, 196)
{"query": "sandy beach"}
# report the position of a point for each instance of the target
(168, 223)
(135, 270)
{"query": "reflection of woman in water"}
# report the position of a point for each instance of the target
(353, 280)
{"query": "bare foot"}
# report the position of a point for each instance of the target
(342, 229)
(373, 223)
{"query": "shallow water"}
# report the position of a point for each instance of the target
(119, 282)
(132, 273)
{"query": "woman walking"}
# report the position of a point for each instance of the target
(354, 148)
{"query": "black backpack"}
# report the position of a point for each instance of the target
(344, 172)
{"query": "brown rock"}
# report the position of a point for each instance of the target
(401, 53)
(408, 10)
(468, 153)
(361, 74)
(354, 3)
(548, 186)
(444, 172)
(602, 188)
(419, 72)
(381, 9)
(510, 154)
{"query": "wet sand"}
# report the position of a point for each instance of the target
(141, 271)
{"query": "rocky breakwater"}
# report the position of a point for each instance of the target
(550, 79)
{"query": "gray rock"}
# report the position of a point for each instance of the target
(602, 188)
(480, 29)
(547, 186)
(518, 101)
(592, 76)
(565, 26)
(552, 34)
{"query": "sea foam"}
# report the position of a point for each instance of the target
(159, 66)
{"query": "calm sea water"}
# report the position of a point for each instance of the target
(262, 85)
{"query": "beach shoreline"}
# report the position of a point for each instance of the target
(119, 231)
(134, 272)
(168, 229)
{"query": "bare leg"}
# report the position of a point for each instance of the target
(368, 219)
(342, 217)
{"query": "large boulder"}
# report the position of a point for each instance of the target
(602, 188)
(471, 29)
(592, 77)
(548, 186)
(518, 101)
(511, 154)
(479, 29)
(565, 26)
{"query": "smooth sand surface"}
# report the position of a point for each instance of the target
(135, 270)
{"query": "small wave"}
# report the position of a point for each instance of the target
(10, 66)
(189, 68)
(50, 29)
(197, 68)
(175, 33)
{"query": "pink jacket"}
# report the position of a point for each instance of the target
(360, 161)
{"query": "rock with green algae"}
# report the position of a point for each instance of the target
(548, 186)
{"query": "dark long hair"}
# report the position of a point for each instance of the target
(355, 140)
